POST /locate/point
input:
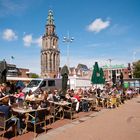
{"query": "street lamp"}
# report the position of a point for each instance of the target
(68, 40)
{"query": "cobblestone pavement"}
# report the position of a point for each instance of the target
(122, 123)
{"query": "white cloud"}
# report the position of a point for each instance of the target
(28, 40)
(9, 35)
(97, 25)
(38, 41)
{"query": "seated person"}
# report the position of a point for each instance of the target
(80, 92)
(68, 98)
(30, 96)
(20, 95)
(2, 90)
(44, 102)
(56, 94)
(43, 95)
(50, 96)
(40, 95)
(7, 111)
(85, 106)
(3, 87)
(86, 93)
(77, 100)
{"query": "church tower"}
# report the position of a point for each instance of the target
(50, 54)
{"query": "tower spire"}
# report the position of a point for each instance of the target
(50, 54)
(50, 19)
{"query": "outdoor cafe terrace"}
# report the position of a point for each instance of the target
(39, 114)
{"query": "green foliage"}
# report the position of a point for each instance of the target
(136, 72)
(34, 75)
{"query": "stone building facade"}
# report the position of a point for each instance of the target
(80, 71)
(126, 71)
(50, 54)
(13, 71)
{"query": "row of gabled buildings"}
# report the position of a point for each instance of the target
(80, 71)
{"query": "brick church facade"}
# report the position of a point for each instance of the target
(50, 54)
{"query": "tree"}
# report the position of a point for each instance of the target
(95, 79)
(136, 71)
(34, 75)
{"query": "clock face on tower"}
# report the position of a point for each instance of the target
(54, 47)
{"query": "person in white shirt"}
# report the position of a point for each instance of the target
(50, 96)
(30, 96)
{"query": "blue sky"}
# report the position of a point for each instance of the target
(102, 30)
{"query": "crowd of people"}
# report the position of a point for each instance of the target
(107, 97)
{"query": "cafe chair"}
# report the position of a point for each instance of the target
(113, 102)
(56, 111)
(38, 118)
(92, 105)
(51, 113)
(70, 109)
(5, 124)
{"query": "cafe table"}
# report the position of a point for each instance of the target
(25, 111)
(35, 100)
(91, 101)
(59, 107)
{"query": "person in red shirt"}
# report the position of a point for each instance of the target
(20, 95)
(77, 99)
